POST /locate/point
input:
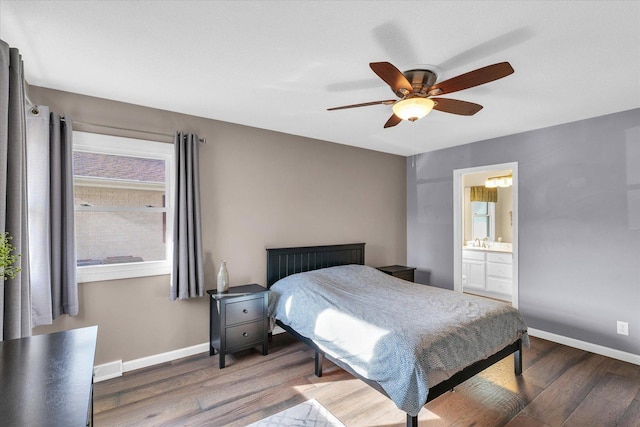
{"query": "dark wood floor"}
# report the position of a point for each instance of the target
(560, 386)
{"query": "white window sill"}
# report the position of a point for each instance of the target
(99, 273)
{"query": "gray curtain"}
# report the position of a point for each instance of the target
(187, 278)
(54, 284)
(15, 295)
(38, 159)
(64, 283)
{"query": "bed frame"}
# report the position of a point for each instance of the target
(282, 262)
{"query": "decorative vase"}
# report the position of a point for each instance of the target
(223, 278)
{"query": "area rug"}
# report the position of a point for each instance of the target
(306, 414)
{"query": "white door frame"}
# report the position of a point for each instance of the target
(458, 218)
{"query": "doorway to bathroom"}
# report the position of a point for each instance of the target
(485, 231)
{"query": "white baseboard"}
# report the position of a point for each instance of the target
(587, 346)
(107, 371)
(164, 357)
(116, 369)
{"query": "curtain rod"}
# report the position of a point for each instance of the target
(202, 140)
(35, 111)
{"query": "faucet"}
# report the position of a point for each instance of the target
(476, 242)
(485, 242)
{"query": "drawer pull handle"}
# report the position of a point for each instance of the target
(245, 311)
(244, 334)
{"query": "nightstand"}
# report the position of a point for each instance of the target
(399, 271)
(238, 320)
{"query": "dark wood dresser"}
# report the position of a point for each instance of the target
(47, 380)
(238, 320)
(399, 271)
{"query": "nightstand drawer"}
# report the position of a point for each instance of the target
(244, 335)
(245, 311)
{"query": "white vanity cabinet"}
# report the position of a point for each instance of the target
(487, 273)
(499, 273)
(473, 270)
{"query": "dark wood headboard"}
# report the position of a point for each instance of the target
(282, 262)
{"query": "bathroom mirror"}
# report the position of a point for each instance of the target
(487, 219)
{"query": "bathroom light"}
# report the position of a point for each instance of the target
(413, 109)
(499, 181)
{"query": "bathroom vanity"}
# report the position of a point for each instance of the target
(488, 271)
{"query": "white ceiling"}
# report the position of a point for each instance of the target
(279, 64)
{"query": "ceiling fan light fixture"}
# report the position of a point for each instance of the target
(413, 109)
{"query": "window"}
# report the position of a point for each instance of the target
(123, 191)
(483, 225)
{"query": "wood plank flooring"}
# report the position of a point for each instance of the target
(560, 386)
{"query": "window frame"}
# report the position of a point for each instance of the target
(132, 147)
(491, 219)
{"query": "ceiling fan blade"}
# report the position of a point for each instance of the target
(455, 106)
(393, 120)
(364, 104)
(392, 76)
(472, 78)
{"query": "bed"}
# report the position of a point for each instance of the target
(410, 342)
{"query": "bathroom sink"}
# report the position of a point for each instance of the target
(493, 247)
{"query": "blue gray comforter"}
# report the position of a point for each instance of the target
(392, 331)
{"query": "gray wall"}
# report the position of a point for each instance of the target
(579, 223)
(259, 189)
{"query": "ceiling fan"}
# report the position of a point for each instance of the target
(416, 89)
